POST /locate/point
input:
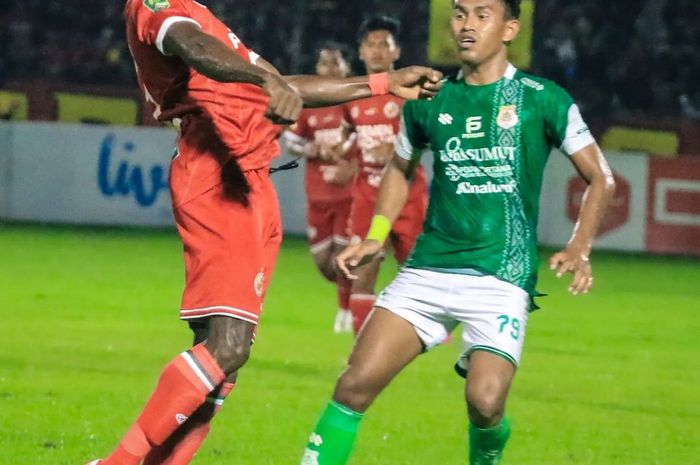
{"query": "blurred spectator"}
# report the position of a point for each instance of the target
(617, 58)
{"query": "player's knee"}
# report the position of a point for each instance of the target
(232, 355)
(486, 404)
(354, 391)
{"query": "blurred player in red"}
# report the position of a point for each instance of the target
(225, 100)
(376, 121)
(319, 137)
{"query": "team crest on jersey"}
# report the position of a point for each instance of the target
(313, 121)
(355, 112)
(507, 117)
(391, 110)
(156, 5)
(258, 284)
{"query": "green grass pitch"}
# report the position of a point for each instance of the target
(89, 317)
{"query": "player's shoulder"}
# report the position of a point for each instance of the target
(540, 87)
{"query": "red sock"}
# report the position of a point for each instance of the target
(182, 445)
(343, 286)
(360, 306)
(181, 390)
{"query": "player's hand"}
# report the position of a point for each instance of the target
(415, 82)
(331, 153)
(311, 150)
(343, 173)
(285, 103)
(382, 153)
(357, 255)
(574, 261)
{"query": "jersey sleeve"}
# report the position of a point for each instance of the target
(412, 134)
(564, 125)
(153, 19)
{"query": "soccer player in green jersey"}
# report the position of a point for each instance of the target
(491, 130)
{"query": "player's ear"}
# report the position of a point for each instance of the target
(511, 30)
(397, 53)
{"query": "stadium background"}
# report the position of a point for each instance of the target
(89, 313)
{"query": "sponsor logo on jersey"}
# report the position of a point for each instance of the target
(371, 111)
(327, 119)
(473, 128)
(371, 135)
(445, 119)
(488, 188)
(507, 116)
(332, 136)
(531, 83)
(457, 172)
(258, 284)
(454, 152)
(392, 110)
(156, 5)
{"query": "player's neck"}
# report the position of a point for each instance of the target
(486, 72)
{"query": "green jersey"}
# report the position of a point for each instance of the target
(490, 145)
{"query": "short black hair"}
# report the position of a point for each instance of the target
(512, 8)
(379, 23)
(333, 45)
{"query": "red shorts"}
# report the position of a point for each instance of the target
(230, 249)
(327, 223)
(404, 231)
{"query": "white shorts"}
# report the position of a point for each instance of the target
(493, 312)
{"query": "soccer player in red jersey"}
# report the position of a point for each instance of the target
(319, 137)
(225, 100)
(376, 121)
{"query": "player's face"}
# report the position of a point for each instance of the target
(480, 29)
(331, 64)
(379, 51)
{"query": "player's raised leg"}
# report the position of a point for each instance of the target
(487, 387)
(385, 345)
(183, 388)
(181, 446)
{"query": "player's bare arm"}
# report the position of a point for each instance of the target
(408, 83)
(393, 193)
(592, 166)
(211, 57)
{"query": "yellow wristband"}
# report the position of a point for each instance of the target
(379, 229)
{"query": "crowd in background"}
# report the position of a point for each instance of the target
(622, 57)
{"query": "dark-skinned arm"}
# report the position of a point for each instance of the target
(218, 61)
(594, 169)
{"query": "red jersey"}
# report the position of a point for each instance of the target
(236, 111)
(322, 126)
(376, 120)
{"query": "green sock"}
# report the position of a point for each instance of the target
(332, 440)
(486, 445)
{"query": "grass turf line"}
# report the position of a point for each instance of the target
(90, 317)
